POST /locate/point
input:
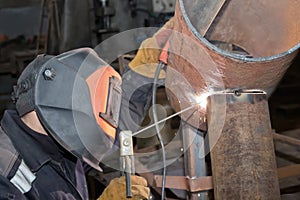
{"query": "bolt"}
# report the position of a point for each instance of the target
(126, 142)
(49, 74)
(24, 85)
(237, 93)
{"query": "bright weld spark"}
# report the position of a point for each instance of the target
(201, 99)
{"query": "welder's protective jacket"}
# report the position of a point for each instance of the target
(30, 169)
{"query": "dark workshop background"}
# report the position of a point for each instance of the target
(28, 27)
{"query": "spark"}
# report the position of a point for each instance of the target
(201, 99)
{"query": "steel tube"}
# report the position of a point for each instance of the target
(242, 152)
(249, 45)
(194, 158)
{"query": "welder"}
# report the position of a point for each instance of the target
(66, 119)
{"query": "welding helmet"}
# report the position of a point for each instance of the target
(77, 98)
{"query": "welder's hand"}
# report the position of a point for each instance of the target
(116, 190)
(146, 59)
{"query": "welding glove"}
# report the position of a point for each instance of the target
(116, 190)
(146, 59)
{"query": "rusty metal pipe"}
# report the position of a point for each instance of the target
(242, 154)
(251, 44)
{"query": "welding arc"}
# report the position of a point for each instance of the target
(165, 119)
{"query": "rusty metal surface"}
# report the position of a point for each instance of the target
(287, 158)
(286, 139)
(268, 31)
(289, 171)
(194, 162)
(206, 11)
(243, 158)
(184, 183)
(264, 27)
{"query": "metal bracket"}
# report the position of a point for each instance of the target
(126, 146)
(185, 183)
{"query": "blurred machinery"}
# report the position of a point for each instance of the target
(103, 13)
(163, 6)
(31, 27)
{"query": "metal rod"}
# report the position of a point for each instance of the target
(289, 171)
(286, 139)
(56, 16)
(165, 119)
(40, 26)
(128, 185)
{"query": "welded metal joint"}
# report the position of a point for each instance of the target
(245, 96)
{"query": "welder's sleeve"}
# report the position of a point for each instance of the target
(137, 79)
(136, 99)
(116, 190)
